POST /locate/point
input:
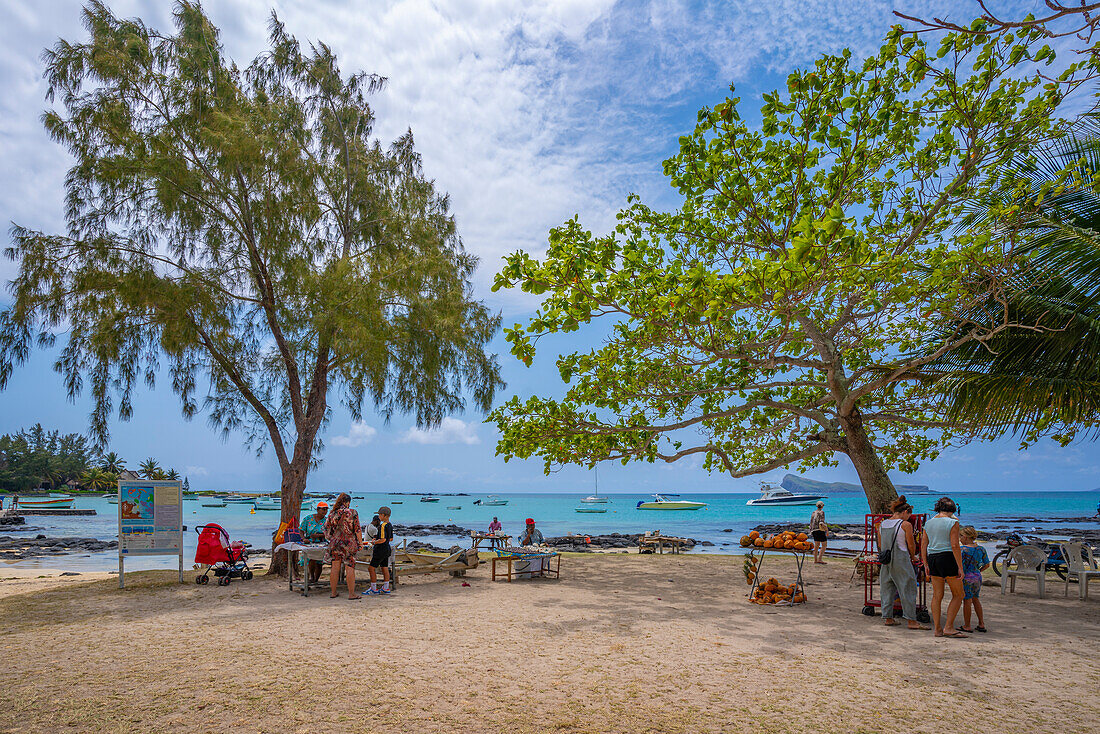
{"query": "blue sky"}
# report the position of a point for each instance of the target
(527, 113)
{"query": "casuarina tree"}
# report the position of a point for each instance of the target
(765, 322)
(244, 231)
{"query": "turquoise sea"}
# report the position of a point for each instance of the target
(555, 515)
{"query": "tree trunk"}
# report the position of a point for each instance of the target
(291, 491)
(879, 489)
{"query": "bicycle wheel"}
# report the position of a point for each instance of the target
(998, 560)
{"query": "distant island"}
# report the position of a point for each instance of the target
(802, 485)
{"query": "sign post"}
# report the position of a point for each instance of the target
(150, 520)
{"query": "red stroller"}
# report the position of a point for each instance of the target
(228, 559)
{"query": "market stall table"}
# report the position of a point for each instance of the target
(311, 553)
(799, 558)
(496, 540)
(511, 556)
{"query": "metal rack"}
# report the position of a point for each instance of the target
(868, 562)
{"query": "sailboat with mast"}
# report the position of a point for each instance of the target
(595, 498)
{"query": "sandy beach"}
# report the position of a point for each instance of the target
(622, 643)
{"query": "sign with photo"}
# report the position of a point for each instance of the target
(150, 520)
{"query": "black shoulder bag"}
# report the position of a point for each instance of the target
(887, 553)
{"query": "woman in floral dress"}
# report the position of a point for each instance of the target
(345, 538)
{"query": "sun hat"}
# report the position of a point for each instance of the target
(530, 521)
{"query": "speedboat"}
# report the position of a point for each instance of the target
(53, 502)
(429, 498)
(268, 503)
(590, 509)
(772, 494)
(493, 501)
(661, 502)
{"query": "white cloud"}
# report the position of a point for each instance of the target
(450, 430)
(198, 471)
(359, 434)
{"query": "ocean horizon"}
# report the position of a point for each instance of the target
(722, 522)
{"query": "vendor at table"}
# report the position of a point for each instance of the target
(313, 531)
(494, 526)
(532, 535)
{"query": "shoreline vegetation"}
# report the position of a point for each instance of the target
(621, 643)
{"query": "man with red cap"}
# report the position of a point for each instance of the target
(532, 535)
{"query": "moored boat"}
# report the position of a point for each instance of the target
(53, 502)
(268, 503)
(429, 498)
(661, 502)
(590, 509)
(774, 495)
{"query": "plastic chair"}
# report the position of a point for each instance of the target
(1076, 555)
(1030, 562)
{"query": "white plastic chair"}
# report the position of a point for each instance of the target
(1076, 555)
(1026, 561)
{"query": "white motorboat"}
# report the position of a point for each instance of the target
(494, 501)
(53, 502)
(268, 503)
(429, 499)
(213, 502)
(239, 500)
(772, 495)
(661, 502)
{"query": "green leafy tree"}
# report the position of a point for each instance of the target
(246, 228)
(1043, 376)
(37, 457)
(763, 323)
(150, 469)
(172, 474)
(97, 479)
(112, 463)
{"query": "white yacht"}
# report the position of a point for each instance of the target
(773, 494)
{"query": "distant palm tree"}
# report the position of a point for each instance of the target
(95, 479)
(150, 469)
(171, 474)
(1045, 374)
(112, 463)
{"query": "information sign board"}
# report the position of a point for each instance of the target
(150, 520)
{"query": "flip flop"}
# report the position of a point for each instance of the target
(979, 628)
(956, 635)
(355, 598)
(920, 627)
(967, 630)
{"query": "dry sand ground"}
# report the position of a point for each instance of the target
(619, 644)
